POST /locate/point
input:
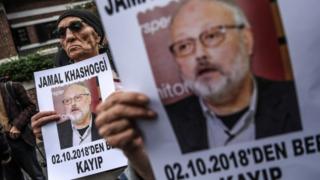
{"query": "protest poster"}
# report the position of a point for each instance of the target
(179, 42)
(73, 146)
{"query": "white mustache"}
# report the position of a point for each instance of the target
(207, 67)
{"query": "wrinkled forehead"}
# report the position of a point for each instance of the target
(67, 20)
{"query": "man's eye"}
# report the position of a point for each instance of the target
(76, 26)
(77, 98)
(211, 36)
(184, 46)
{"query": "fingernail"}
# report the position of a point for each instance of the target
(151, 113)
(142, 98)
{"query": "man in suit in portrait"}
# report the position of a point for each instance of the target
(79, 128)
(212, 44)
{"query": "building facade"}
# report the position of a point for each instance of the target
(28, 25)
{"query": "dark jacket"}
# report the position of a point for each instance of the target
(19, 109)
(66, 135)
(4, 147)
(277, 113)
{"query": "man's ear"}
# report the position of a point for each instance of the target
(248, 40)
(98, 39)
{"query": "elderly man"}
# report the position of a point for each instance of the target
(80, 33)
(212, 44)
(79, 127)
(81, 36)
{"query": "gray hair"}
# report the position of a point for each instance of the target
(82, 84)
(237, 12)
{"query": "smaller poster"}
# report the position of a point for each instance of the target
(73, 145)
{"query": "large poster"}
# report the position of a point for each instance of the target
(73, 146)
(304, 46)
(217, 117)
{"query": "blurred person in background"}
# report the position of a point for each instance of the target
(5, 151)
(16, 110)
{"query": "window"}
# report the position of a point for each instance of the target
(20, 36)
(45, 31)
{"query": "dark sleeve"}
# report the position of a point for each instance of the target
(28, 109)
(4, 148)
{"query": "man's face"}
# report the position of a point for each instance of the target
(219, 59)
(80, 44)
(77, 102)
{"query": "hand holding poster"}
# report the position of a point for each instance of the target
(73, 146)
(216, 118)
